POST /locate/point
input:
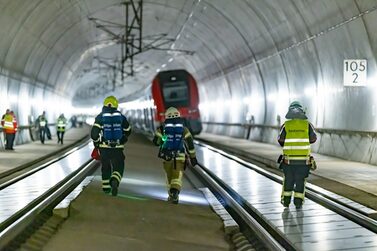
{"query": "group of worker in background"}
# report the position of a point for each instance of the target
(110, 132)
(44, 130)
(10, 127)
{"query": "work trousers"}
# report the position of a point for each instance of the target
(9, 137)
(294, 181)
(42, 134)
(174, 172)
(112, 160)
(60, 136)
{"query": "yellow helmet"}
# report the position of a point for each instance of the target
(172, 112)
(111, 101)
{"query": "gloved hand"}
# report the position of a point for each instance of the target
(193, 161)
(313, 164)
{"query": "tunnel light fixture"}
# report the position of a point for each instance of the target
(271, 97)
(163, 65)
(158, 70)
(170, 60)
(309, 91)
(246, 100)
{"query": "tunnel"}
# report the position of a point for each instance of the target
(250, 59)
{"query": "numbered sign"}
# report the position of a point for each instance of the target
(355, 72)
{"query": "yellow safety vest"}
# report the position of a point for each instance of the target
(61, 125)
(296, 144)
(8, 122)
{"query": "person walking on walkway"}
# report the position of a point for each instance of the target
(42, 126)
(60, 127)
(109, 134)
(296, 135)
(7, 111)
(176, 149)
(9, 123)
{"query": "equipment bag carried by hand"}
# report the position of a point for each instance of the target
(95, 154)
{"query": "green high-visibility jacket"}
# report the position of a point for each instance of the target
(61, 123)
(296, 144)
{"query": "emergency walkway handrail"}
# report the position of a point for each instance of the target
(23, 127)
(319, 130)
(30, 128)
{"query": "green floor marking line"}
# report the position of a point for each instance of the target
(131, 197)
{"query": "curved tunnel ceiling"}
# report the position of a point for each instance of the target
(252, 47)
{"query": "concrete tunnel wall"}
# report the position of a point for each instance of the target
(28, 101)
(252, 58)
(310, 71)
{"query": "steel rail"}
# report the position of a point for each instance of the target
(67, 150)
(230, 202)
(333, 204)
(19, 221)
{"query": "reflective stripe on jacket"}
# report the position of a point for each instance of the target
(61, 125)
(296, 144)
(8, 121)
(42, 122)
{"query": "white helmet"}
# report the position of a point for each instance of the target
(172, 112)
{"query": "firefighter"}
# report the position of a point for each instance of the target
(42, 126)
(109, 134)
(176, 149)
(9, 124)
(60, 127)
(295, 137)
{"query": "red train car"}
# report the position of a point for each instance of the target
(177, 88)
(169, 88)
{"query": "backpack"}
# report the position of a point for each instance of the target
(173, 141)
(112, 127)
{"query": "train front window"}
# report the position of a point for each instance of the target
(175, 94)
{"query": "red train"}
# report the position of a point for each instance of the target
(169, 88)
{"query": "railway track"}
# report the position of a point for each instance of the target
(25, 198)
(252, 196)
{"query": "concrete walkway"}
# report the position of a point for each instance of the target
(140, 218)
(25, 153)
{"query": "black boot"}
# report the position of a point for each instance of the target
(114, 186)
(285, 201)
(174, 195)
(298, 203)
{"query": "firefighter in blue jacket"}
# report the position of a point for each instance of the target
(109, 134)
(176, 149)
